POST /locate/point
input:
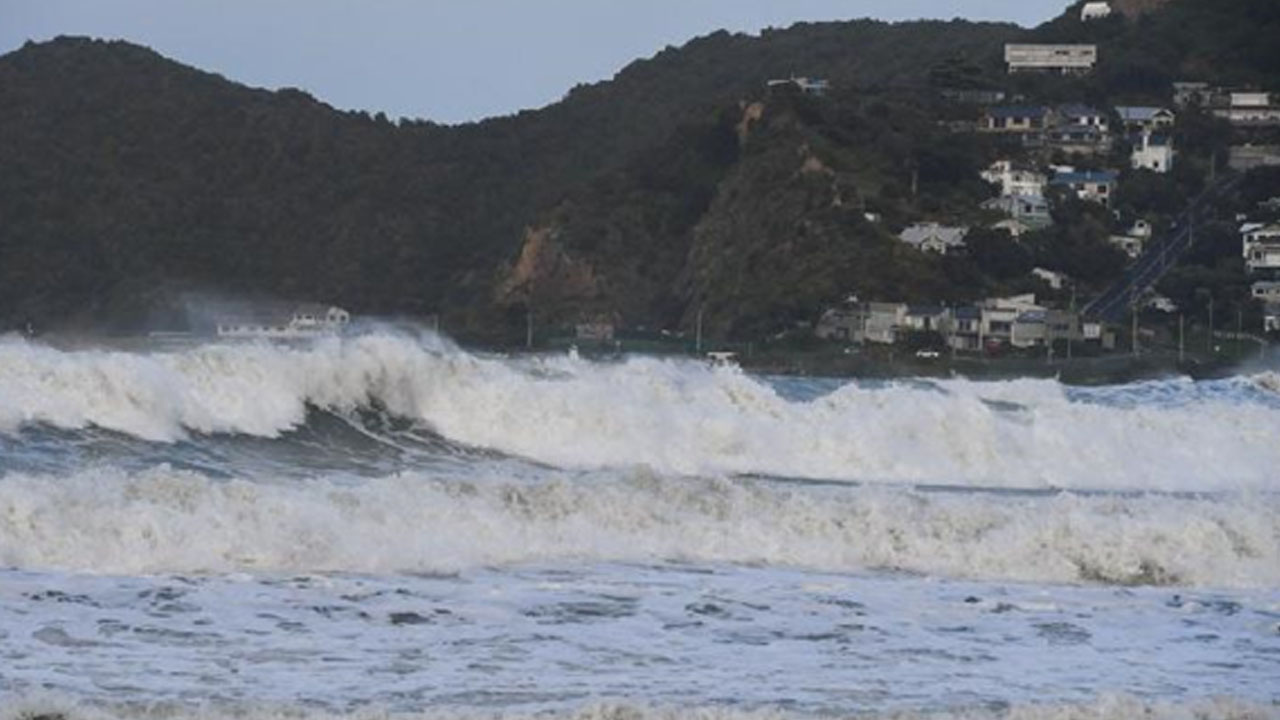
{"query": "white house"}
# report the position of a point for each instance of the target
(1152, 151)
(1261, 247)
(1094, 11)
(877, 322)
(932, 237)
(1015, 180)
(1271, 318)
(1268, 291)
(283, 322)
(1063, 59)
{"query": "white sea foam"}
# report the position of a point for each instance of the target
(165, 520)
(1105, 707)
(674, 416)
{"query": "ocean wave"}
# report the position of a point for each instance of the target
(173, 521)
(678, 417)
(1104, 707)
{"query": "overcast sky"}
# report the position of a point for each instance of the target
(446, 61)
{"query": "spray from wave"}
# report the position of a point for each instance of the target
(170, 521)
(676, 417)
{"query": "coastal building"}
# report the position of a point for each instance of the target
(863, 322)
(1091, 185)
(1261, 247)
(935, 238)
(1063, 59)
(279, 321)
(1014, 179)
(926, 318)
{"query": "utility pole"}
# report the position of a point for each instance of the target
(697, 342)
(1073, 326)
(1133, 341)
(1182, 353)
(528, 328)
(1239, 329)
(1209, 343)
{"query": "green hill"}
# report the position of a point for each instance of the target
(129, 180)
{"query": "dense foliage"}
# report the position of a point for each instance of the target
(682, 186)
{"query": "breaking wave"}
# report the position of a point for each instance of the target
(675, 416)
(172, 521)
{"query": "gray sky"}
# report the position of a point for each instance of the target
(445, 61)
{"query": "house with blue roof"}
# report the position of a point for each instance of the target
(1092, 185)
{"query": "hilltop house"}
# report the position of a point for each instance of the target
(932, 237)
(282, 321)
(1094, 11)
(1261, 247)
(1061, 59)
(1014, 180)
(1092, 185)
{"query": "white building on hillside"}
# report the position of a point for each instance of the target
(1261, 247)
(1015, 180)
(1094, 11)
(932, 237)
(1061, 59)
(1152, 151)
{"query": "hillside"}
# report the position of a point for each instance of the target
(130, 180)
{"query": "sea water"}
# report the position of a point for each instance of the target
(386, 525)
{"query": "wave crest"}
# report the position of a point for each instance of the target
(164, 520)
